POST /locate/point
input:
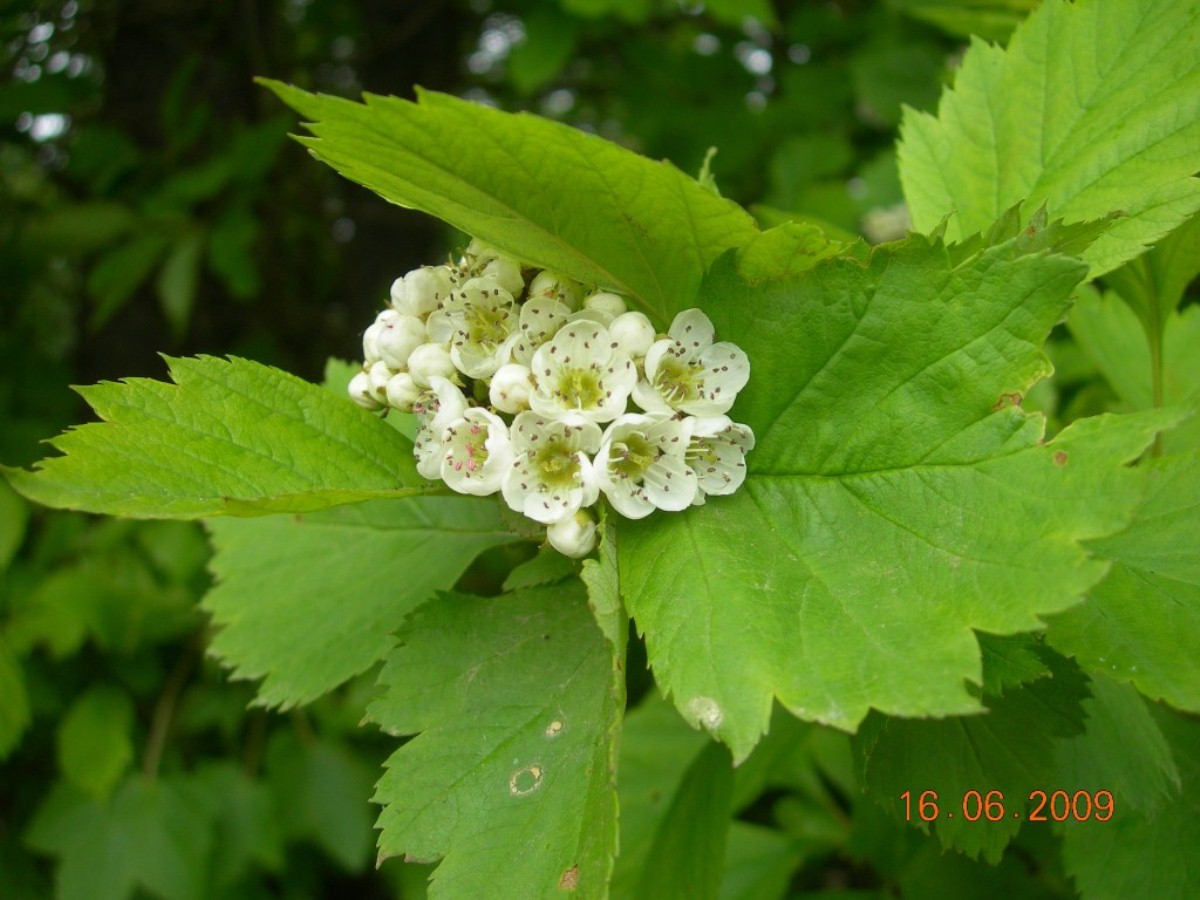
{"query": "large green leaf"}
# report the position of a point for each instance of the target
(509, 780)
(1123, 751)
(1009, 749)
(898, 497)
(1094, 107)
(150, 834)
(308, 601)
(1137, 856)
(1142, 622)
(230, 437)
(545, 192)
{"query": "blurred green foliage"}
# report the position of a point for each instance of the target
(150, 201)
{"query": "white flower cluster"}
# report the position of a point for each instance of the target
(526, 383)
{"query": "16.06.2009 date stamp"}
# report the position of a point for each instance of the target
(1057, 806)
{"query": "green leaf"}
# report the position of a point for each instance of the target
(178, 279)
(547, 567)
(95, 745)
(602, 579)
(320, 790)
(1094, 107)
(992, 20)
(1141, 624)
(248, 827)
(550, 39)
(308, 601)
(1010, 661)
(1107, 331)
(887, 507)
(1009, 749)
(545, 192)
(230, 437)
(14, 516)
(689, 847)
(788, 249)
(121, 271)
(509, 781)
(1123, 751)
(14, 700)
(150, 834)
(1153, 284)
(657, 749)
(759, 863)
(1135, 856)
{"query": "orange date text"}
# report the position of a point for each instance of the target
(989, 806)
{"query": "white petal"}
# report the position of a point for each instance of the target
(693, 329)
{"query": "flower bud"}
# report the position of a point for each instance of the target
(634, 332)
(359, 390)
(378, 376)
(574, 536)
(419, 292)
(402, 391)
(606, 302)
(398, 338)
(550, 285)
(506, 272)
(428, 361)
(510, 388)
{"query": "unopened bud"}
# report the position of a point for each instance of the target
(634, 333)
(510, 388)
(574, 536)
(428, 361)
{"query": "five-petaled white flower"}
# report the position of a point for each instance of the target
(641, 466)
(551, 475)
(687, 372)
(717, 454)
(582, 372)
(476, 453)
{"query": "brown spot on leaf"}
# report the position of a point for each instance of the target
(570, 879)
(1060, 458)
(1013, 399)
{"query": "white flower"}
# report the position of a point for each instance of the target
(551, 285)
(575, 536)
(634, 332)
(510, 388)
(540, 319)
(689, 373)
(717, 454)
(402, 391)
(484, 325)
(359, 390)
(551, 476)
(436, 407)
(641, 465)
(430, 361)
(477, 454)
(420, 291)
(398, 337)
(580, 372)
